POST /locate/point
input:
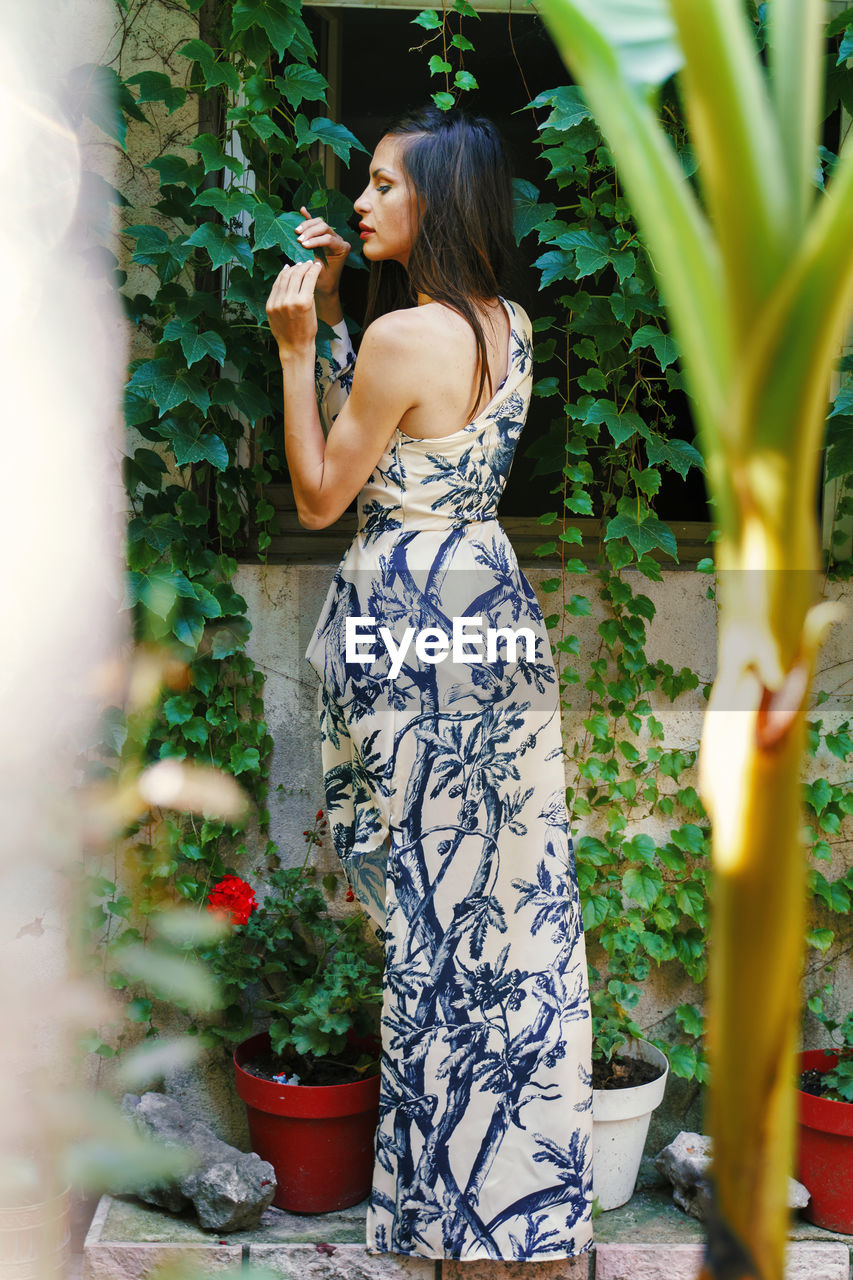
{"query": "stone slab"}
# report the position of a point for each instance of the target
(805, 1261)
(650, 1216)
(126, 1220)
(559, 1269)
(338, 1262)
(137, 1261)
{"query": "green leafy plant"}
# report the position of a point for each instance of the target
(837, 1080)
(204, 430)
(315, 979)
(758, 277)
(454, 46)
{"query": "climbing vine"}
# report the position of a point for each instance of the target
(204, 431)
(202, 399)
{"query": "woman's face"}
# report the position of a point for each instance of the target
(387, 206)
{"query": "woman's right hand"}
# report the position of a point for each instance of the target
(314, 233)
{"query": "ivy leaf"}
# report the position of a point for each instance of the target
(592, 251)
(243, 758)
(228, 204)
(160, 588)
(178, 710)
(228, 637)
(467, 10)
(840, 744)
(249, 292)
(592, 852)
(648, 481)
(643, 885)
(682, 1061)
(191, 443)
(595, 911)
(820, 939)
(620, 425)
(213, 157)
(300, 83)
(658, 946)
(444, 101)
(690, 898)
(154, 86)
(221, 245)
(195, 345)
(677, 454)
(428, 19)
(642, 529)
(215, 73)
(818, 795)
(169, 386)
(689, 1017)
(321, 129)
(689, 838)
(529, 213)
(264, 127)
(569, 107)
(244, 396)
(640, 848)
(138, 1010)
(554, 265)
(437, 65)
(175, 169)
(462, 42)
(272, 17)
(663, 344)
(464, 80)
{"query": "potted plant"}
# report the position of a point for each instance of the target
(310, 1078)
(629, 1077)
(825, 1113)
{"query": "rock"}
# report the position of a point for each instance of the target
(229, 1189)
(686, 1163)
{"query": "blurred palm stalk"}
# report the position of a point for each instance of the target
(758, 283)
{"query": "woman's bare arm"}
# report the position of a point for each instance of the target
(328, 473)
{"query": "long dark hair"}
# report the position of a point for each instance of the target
(463, 247)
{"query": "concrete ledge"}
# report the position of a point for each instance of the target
(341, 1262)
(805, 1261)
(648, 1239)
(561, 1269)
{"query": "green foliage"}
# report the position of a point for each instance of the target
(204, 439)
(645, 900)
(454, 45)
(837, 1079)
(313, 978)
(210, 246)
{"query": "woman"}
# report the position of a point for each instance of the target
(443, 762)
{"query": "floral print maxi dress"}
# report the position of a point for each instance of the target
(445, 792)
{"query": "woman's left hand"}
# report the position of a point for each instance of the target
(290, 307)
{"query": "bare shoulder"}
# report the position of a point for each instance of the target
(398, 330)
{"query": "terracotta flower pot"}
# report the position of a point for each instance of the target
(320, 1139)
(825, 1157)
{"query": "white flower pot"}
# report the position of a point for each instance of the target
(620, 1124)
(35, 1239)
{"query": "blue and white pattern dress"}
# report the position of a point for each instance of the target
(445, 794)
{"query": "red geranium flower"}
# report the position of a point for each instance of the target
(233, 897)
